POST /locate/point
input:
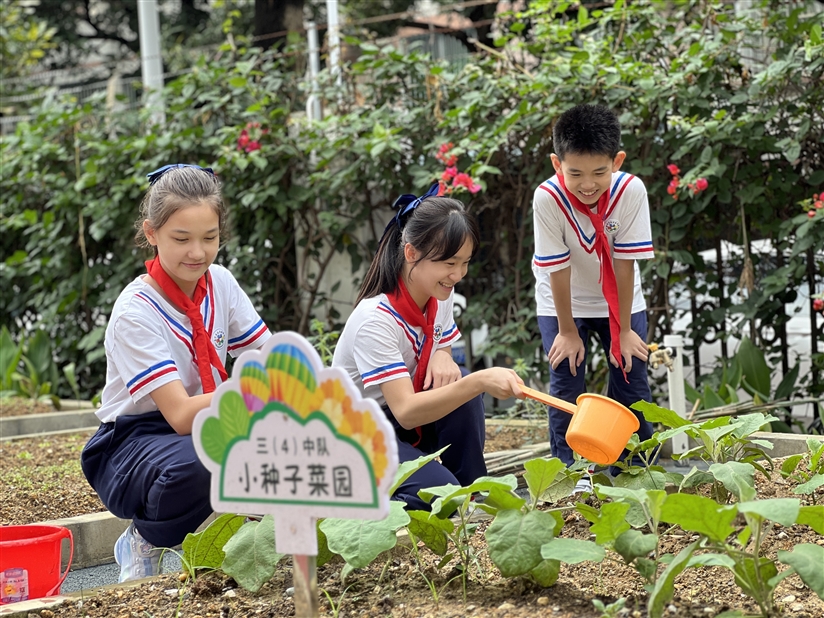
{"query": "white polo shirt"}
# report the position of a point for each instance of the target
(377, 345)
(565, 238)
(149, 342)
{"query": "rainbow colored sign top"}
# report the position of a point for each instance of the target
(288, 437)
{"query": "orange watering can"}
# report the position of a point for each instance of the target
(600, 427)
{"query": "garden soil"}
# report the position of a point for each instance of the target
(396, 585)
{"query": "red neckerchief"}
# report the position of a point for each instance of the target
(408, 309)
(609, 286)
(205, 353)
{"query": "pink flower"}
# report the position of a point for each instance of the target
(474, 188)
(253, 146)
(675, 182)
(701, 184)
(671, 189)
(673, 169)
(444, 148)
(462, 180)
(819, 204)
(441, 189)
(818, 304)
(450, 172)
(811, 214)
(450, 161)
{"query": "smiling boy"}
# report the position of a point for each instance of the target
(591, 225)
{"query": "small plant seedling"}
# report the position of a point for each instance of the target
(612, 610)
(807, 469)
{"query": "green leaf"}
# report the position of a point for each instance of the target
(790, 464)
(816, 481)
(786, 388)
(635, 544)
(665, 584)
(699, 514)
(807, 560)
(499, 500)
(541, 474)
(515, 540)
(737, 477)
(572, 551)
(657, 414)
(432, 530)
(754, 367)
(234, 416)
(780, 510)
(358, 541)
(204, 549)
(711, 560)
(450, 494)
(546, 573)
(611, 522)
(408, 468)
(237, 82)
(251, 555)
(324, 553)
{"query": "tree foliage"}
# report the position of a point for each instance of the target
(734, 99)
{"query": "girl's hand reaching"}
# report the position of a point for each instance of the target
(441, 370)
(502, 383)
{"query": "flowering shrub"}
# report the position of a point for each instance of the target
(249, 139)
(452, 180)
(699, 185)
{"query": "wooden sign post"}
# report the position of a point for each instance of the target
(289, 437)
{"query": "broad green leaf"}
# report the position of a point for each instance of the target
(635, 544)
(699, 514)
(234, 416)
(696, 477)
(816, 481)
(541, 474)
(753, 366)
(737, 477)
(790, 464)
(750, 423)
(780, 510)
(573, 551)
(450, 495)
(204, 549)
(499, 500)
(9, 358)
(646, 479)
(657, 414)
(812, 516)
(610, 523)
(251, 555)
(807, 560)
(786, 388)
(359, 541)
(546, 573)
(515, 540)
(432, 530)
(408, 468)
(665, 584)
(750, 581)
(324, 554)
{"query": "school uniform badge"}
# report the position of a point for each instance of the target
(611, 227)
(219, 338)
(437, 333)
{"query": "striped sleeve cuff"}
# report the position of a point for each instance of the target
(382, 374)
(635, 250)
(248, 338)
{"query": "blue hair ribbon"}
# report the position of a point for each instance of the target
(405, 204)
(156, 175)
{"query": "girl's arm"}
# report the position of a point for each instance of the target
(413, 409)
(177, 407)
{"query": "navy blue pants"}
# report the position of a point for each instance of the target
(463, 462)
(564, 385)
(144, 471)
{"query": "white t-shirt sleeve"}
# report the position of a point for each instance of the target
(247, 330)
(142, 356)
(633, 240)
(551, 250)
(446, 316)
(377, 355)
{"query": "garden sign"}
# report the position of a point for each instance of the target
(289, 437)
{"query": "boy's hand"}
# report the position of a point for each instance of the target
(631, 345)
(441, 370)
(567, 347)
(502, 383)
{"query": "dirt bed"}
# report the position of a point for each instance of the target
(17, 406)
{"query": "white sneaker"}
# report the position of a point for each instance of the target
(583, 485)
(136, 556)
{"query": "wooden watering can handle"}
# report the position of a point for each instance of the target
(549, 400)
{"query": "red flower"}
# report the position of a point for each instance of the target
(701, 184)
(462, 180)
(450, 172)
(818, 304)
(819, 204)
(810, 213)
(671, 189)
(253, 146)
(450, 161)
(243, 140)
(444, 148)
(673, 169)
(441, 188)
(675, 182)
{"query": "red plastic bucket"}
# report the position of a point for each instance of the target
(30, 561)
